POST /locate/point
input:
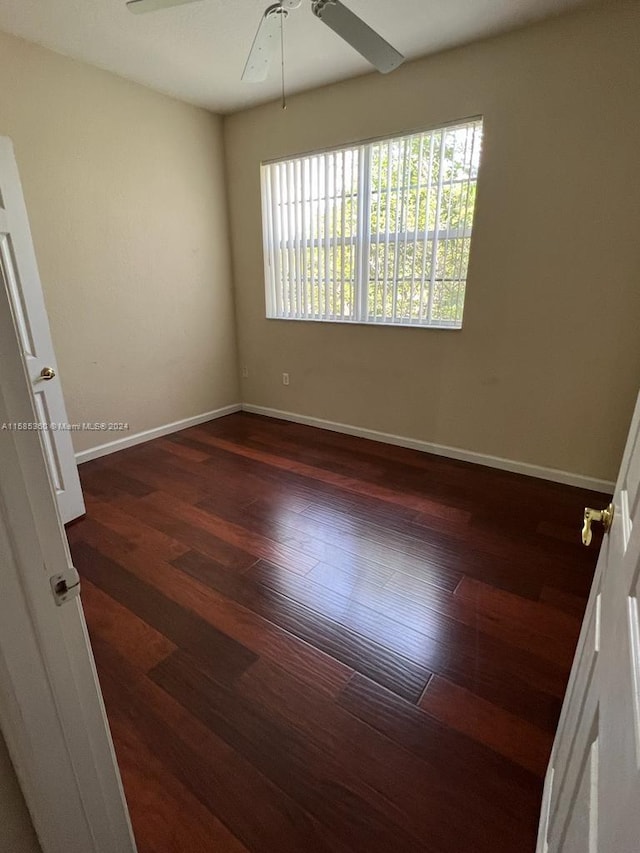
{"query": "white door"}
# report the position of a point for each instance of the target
(19, 276)
(592, 790)
(51, 712)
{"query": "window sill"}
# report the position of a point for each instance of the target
(376, 325)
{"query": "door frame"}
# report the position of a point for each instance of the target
(51, 712)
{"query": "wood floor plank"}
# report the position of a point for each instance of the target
(348, 484)
(442, 747)
(506, 733)
(129, 529)
(329, 543)
(182, 627)
(567, 565)
(368, 468)
(258, 634)
(482, 607)
(491, 614)
(161, 476)
(435, 557)
(182, 451)
(356, 651)
(512, 678)
(354, 578)
(446, 482)
(558, 599)
(372, 470)
(111, 484)
(550, 633)
(282, 485)
(243, 478)
(290, 761)
(88, 528)
(462, 484)
(357, 745)
(190, 535)
(260, 547)
(408, 726)
(119, 627)
(255, 810)
(166, 814)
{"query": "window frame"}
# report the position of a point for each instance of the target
(361, 293)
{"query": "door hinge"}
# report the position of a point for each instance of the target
(65, 586)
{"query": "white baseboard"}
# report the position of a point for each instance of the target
(156, 432)
(552, 474)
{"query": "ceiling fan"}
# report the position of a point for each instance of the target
(333, 13)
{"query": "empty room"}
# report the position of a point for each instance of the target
(319, 445)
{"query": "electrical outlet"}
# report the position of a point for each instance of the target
(245, 371)
(285, 378)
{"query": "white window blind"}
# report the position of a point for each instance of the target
(374, 233)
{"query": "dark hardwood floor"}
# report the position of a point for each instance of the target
(311, 642)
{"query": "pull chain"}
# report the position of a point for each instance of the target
(284, 96)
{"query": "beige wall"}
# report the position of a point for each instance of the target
(16, 830)
(546, 367)
(126, 198)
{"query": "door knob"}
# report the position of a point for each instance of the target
(47, 373)
(604, 516)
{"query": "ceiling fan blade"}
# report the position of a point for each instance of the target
(140, 6)
(358, 34)
(264, 45)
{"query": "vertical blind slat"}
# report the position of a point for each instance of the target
(327, 225)
(296, 237)
(338, 235)
(267, 241)
(427, 209)
(320, 264)
(282, 251)
(279, 245)
(376, 285)
(302, 242)
(364, 240)
(399, 194)
(343, 213)
(360, 259)
(401, 241)
(416, 225)
(455, 280)
(446, 243)
(386, 233)
(291, 211)
(436, 227)
(466, 229)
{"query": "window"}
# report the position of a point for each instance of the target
(374, 233)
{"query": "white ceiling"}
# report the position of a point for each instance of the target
(197, 52)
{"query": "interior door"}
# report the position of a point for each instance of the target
(19, 276)
(592, 790)
(51, 711)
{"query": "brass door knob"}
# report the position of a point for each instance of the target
(604, 516)
(47, 373)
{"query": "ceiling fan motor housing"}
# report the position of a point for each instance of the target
(338, 17)
(318, 6)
